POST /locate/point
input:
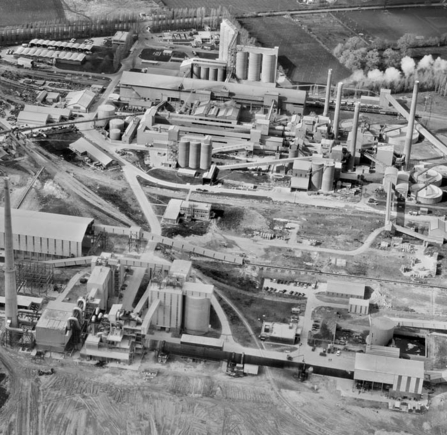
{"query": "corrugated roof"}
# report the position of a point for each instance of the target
(378, 367)
(82, 146)
(346, 288)
(173, 209)
(32, 118)
(359, 302)
(54, 111)
(55, 316)
(80, 98)
(46, 225)
(198, 287)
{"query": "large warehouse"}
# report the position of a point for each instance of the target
(46, 235)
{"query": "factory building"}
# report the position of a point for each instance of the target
(177, 209)
(120, 37)
(32, 119)
(400, 377)
(256, 64)
(228, 40)
(280, 332)
(100, 287)
(60, 45)
(438, 228)
(80, 101)
(358, 306)
(47, 235)
(55, 114)
(83, 147)
(345, 289)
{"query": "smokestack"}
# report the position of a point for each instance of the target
(10, 272)
(353, 143)
(337, 109)
(328, 93)
(410, 127)
(389, 192)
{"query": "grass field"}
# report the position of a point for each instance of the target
(27, 11)
(392, 24)
(303, 58)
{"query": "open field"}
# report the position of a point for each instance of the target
(392, 24)
(303, 58)
(26, 11)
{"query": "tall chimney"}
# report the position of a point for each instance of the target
(353, 143)
(10, 272)
(328, 93)
(410, 127)
(337, 109)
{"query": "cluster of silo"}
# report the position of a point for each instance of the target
(116, 129)
(256, 67)
(328, 178)
(197, 315)
(214, 73)
(381, 332)
(105, 111)
(194, 154)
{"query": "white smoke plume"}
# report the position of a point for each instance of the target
(426, 62)
(408, 65)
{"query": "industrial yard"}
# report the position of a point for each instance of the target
(210, 229)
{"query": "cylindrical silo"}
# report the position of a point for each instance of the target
(115, 134)
(241, 65)
(429, 195)
(431, 174)
(194, 155)
(197, 315)
(403, 188)
(116, 124)
(293, 152)
(105, 111)
(390, 176)
(317, 175)
(196, 72)
(213, 74)
(204, 72)
(268, 68)
(205, 155)
(327, 182)
(254, 66)
(221, 75)
(183, 153)
(381, 332)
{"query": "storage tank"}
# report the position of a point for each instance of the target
(396, 135)
(254, 66)
(327, 182)
(430, 195)
(204, 73)
(431, 174)
(268, 68)
(183, 153)
(213, 74)
(390, 176)
(317, 175)
(403, 177)
(196, 72)
(403, 188)
(205, 155)
(116, 124)
(115, 134)
(194, 155)
(293, 152)
(197, 315)
(381, 331)
(241, 65)
(221, 75)
(105, 111)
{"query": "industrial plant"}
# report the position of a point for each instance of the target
(194, 213)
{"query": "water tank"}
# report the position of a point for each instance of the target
(268, 68)
(204, 73)
(241, 65)
(183, 153)
(115, 134)
(221, 75)
(116, 124)
(197, 315)
(431, 174)
(196, 72)
(381, 332)
(430, 195)
(213, 74)
(205, 155)
(317, 175)
(194, 155)
(327, 183)
(105, 111)
(254, 66)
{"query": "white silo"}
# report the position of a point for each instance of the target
(105, 111)
(204, 72)
(390, 176)
(381, 331)
(194, 155)
(241, 65)
(327, 182)
(117, 124)
(317, 175)
(197, 315)
(213, 74)
(268, 68)
(205, 154)
(254, 66)
(431, 174)
(115, 134)
(183, 153)
(196, 72)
